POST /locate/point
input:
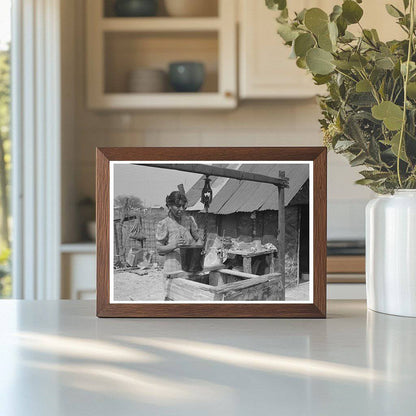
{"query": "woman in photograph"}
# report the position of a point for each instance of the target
(176, 230)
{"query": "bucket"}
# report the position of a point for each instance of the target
(192, 259)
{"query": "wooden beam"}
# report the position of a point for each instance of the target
(221, 172)
(237, 273)
(281, 229)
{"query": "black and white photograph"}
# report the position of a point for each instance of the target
(211, 232)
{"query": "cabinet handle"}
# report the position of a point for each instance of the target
(228, 94)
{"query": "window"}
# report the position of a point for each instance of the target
(5, 147)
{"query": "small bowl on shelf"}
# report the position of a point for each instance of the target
(191, 8)
(186, 76)
(135, 8)
(147, 80)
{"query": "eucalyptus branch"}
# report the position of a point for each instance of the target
(398, 95)
(406, 79)
(373, 89)
(370, 64)
(346, 75)
(392, 90)
(369, 41)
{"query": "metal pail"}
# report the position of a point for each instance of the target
(192, 259)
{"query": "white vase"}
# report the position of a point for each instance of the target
(391, 253)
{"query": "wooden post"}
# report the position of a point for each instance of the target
(281, 232)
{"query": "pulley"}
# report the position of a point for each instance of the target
(206, 199)
(206, 195)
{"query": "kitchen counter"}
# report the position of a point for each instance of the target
(57, 358)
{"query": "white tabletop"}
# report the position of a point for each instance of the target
(57, 358)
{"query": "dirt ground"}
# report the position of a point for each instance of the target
(132, 287)
(300, 292)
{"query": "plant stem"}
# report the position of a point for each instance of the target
(406, 79)
(373, 90)
(345, 75)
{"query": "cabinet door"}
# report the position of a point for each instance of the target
(78, 276)
(265, 68)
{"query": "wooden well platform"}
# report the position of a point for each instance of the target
(224, 285)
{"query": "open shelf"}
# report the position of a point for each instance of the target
(116, 46)
(127, 51)
(166, 101)
(80, 247)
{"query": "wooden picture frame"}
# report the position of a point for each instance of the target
(316, 157)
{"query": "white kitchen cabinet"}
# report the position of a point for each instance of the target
(78, 262)
(265, 70)
(118, 45)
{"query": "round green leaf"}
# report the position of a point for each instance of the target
(319, 61)
(324, 42)
(411, 90)
(342, 64)
(316, 20)
(327, 40)
(351, 11)
(286, 32)
(303, 43)
(385, 63)
(391, 114)
(358, 61)
(363, 86)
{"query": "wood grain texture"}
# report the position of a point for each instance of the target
(319, 230)
(317, 309)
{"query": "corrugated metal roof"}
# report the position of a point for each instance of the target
(245, 196)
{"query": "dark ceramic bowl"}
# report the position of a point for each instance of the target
(186, 76)
(135, 8)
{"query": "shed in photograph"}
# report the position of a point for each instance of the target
(249, 211)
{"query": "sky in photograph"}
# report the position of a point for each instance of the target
(5, 20)
(151, 185)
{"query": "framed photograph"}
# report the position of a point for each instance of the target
(211, 232)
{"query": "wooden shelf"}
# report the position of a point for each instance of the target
(159, 24)
(163, 101)
(81, 247)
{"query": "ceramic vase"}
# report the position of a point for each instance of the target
(391, 253)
